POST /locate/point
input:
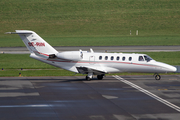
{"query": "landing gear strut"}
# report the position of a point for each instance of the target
(157, 76)
(89, 76)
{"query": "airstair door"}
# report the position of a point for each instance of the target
(92, 60)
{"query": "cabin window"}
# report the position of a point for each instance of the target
(106, 58)
(141, 58)
(112, 58)
(130, 58)
(100, 57)
(117, 58)
(123, 58)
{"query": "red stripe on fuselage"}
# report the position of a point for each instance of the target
(99, 62)
(95, 62)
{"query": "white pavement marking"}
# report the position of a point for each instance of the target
(148, 93)
(109, 97)
(10, 106)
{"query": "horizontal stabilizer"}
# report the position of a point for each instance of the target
(20, 32)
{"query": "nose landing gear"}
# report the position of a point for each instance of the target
(157, 76)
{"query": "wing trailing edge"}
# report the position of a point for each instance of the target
(86, 70)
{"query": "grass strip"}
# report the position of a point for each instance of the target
(15, 41)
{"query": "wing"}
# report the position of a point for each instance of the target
(86, 70)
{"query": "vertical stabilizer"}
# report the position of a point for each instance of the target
(35, 43)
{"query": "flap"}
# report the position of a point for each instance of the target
(86, 70)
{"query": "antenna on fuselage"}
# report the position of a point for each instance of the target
(91, 50)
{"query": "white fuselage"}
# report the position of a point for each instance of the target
(107, 62)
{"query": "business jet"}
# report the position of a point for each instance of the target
(91, 63)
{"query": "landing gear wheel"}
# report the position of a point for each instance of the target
(157, 77)
(100, 77)
(88, 78)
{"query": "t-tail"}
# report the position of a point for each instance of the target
(35, 43)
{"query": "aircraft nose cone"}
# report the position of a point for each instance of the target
(167, 68)
(173, 69)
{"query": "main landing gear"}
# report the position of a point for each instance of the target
(90, 76)
(157, 76)
(100, 77)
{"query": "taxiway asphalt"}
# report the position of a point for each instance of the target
(24, 50)
(73, 98)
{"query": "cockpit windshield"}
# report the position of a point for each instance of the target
(147, 58)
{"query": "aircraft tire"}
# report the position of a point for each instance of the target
(88, 78)
(157, 77)
(99, 77)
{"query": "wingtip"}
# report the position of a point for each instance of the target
(8, 33)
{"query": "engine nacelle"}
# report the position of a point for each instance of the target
(71, 55)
